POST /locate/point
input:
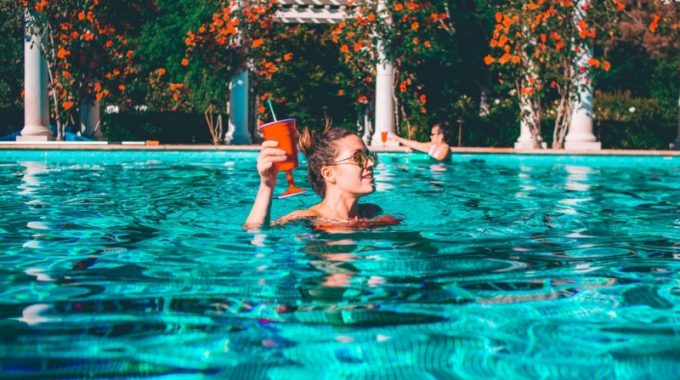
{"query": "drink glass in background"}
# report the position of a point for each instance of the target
(285, 133)
(383, 137)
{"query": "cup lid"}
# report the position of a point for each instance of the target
(276, 122)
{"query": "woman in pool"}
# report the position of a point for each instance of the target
(437, 148)
(340, 171)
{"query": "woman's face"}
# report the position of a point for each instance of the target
(436, 135)
(348, 175)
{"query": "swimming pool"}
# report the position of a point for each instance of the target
(134, 264)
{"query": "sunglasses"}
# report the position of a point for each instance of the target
(360, 158)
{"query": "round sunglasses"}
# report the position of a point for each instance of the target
(359, 157)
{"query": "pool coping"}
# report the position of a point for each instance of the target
(141, 145)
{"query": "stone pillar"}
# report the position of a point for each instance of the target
(238, 109)
(36, 106)
(384, 85)
(580, 135)
(525, 141)
(90, 120)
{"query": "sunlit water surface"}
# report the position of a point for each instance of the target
(134, 264)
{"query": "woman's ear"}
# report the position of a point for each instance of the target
(328, 174)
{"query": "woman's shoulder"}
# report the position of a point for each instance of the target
(296, 215)
(440, 151)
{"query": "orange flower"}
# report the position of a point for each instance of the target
(160, 72)
(341, 92)
(416, 40)
(402, 86)
(606, 65)
(63, 53)
(398, 7)
(415, 25)
(121, 87)
(185, 62)
(370, 17)
(654, 24)
(362, 99)
(594, 62)
(502, 41)
(81, 15)
(427, 44)
(288, 56)
(257, 43)
(505, 58)
(344, 48)
(176, 96)
(422, 99)
(488, 60)
(108, 43)
(67, 105)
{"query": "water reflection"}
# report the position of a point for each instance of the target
(577, 184)
(30, 180)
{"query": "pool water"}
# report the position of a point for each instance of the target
(135, 264)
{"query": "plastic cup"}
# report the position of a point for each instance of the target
(285, 133)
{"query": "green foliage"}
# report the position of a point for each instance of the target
(306, 89)
(161, 46)
(627, 122)
(11, 59)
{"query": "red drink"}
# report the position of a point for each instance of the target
(285, 133)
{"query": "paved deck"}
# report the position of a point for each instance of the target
(206, 147)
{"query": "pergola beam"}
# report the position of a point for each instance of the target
(313, 11)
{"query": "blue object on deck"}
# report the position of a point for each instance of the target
(68, 136)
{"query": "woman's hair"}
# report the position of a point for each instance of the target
(320, 150)
(445, 127)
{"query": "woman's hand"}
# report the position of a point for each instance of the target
(269, 154)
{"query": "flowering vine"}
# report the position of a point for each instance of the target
(240, 35)
(408, 32)
(536, 43)
(86, 46)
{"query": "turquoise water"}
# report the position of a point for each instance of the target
(134, 264)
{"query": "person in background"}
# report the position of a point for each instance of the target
(437, 148)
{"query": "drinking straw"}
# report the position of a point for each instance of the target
(271, 108)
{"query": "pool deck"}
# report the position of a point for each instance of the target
(141, 145)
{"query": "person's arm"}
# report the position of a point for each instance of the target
(259, 213)
(419, 146)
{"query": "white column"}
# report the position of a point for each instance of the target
(526, 113)
(384, 85)
(238, 109)
(90, 120)
(580, 135)
(36, 106)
